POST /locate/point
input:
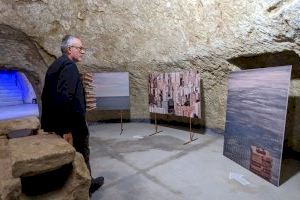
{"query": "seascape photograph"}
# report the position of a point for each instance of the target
(111, 90)
(255, 119)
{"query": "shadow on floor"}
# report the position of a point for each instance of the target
(289, 168)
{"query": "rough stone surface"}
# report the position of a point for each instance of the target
(79, 183)
(17, 124)
(76, 187)
(3, 137)
(38, 154)
(19, 52)
(161, 35)
(10, 187)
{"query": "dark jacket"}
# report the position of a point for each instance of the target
(63, 98)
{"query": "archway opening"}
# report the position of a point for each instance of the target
(17, 96)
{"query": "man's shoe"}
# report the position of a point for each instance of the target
(96, 184)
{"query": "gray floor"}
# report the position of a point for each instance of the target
(139, 167)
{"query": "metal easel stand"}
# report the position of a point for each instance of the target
(121, 122)
(191, 134)
(156, 129)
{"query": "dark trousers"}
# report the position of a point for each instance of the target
(81, 136)
(81, 142)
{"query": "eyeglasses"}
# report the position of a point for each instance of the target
(81, 49)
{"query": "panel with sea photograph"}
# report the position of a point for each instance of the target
(176, 93)
(255, 119)
(111, 90)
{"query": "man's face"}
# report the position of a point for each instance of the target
(76, 50)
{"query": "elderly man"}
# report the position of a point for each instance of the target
(63, 101)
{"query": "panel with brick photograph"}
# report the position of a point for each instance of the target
(176, 93)
(255, 119)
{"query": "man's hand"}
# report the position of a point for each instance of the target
(68, 137)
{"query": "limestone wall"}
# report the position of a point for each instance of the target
(214, 36)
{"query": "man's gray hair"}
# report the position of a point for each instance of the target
(66, 42)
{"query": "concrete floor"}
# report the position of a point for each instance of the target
(138, 167)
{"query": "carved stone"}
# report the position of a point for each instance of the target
(76, 187)
(10, 187)
(17, 124)
(38, 154)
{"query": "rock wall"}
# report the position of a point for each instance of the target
(19, 52)
(142, 36)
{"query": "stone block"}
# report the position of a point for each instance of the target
(10, 188)
(75, 188)
(37, 154)
(79, 183)
(7, 126)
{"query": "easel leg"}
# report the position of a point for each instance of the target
(121, 123)
(191, 134)
(156, 131)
